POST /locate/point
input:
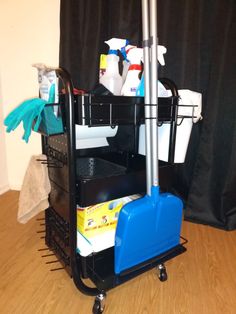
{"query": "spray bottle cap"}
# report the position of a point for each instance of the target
(113, 52)
(160, 54)
(116, 44)
(134, 54)
(124, 54)
(125, 50)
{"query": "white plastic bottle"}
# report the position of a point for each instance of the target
(112, 79)
(132, 81)
(126, 62)
(162, 92)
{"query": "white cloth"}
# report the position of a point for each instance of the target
(35, 190)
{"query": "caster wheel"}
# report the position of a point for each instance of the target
(162, 273)
(99, 303)
(97, 307)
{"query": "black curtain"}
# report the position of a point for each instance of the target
(200, 40)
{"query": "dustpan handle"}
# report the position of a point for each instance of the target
(147, 98)
(150, 42)
(154, 92)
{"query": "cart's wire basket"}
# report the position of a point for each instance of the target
(94, 110)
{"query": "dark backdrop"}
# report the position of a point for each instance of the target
(200, 40)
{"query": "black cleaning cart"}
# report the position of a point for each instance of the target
(89, 176)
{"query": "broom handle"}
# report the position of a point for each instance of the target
(146, 59)
(154, 92)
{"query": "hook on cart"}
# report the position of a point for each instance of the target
(51, 164)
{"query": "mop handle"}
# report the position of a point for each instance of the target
(154, 92)
(147, 98)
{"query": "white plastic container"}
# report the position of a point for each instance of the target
(183, 133)
(190, 106)
(134, 55)
(111, 79)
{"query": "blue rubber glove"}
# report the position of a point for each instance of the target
(37, 106)
(28, 112)
(14, 118)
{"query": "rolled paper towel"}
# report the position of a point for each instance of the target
(92, 137)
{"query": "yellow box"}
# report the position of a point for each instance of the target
(98, 218)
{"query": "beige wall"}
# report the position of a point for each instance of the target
(3, 161)
(29, 32)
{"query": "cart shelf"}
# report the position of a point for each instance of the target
(94, 110)
(98, 243)
(100, 267)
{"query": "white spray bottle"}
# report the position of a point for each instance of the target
(132, 81)
(126, 62)
(161, 50)
(112, 79)
(162, 92)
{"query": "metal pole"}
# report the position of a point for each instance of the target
(154, 92)
(146, 57)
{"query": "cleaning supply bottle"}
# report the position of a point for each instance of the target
(126, 63)
(132, 81)
(102, 65)
(160, 54)
(112, 79)
(162, 92)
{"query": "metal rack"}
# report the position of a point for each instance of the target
(115, 173)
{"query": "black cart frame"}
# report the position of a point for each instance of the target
(69, 188)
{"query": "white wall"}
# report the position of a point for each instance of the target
(29, 32)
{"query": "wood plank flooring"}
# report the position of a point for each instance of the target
(202, 280)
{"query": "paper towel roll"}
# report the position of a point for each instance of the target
(91, 137)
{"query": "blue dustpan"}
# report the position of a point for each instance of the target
(146, 228)
(151, 225)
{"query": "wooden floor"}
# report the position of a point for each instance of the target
(202, 280)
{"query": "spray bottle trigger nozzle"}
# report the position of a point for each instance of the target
(123, 52)
(112, 52)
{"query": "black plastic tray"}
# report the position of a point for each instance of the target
(100, 180)
(92, 168)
